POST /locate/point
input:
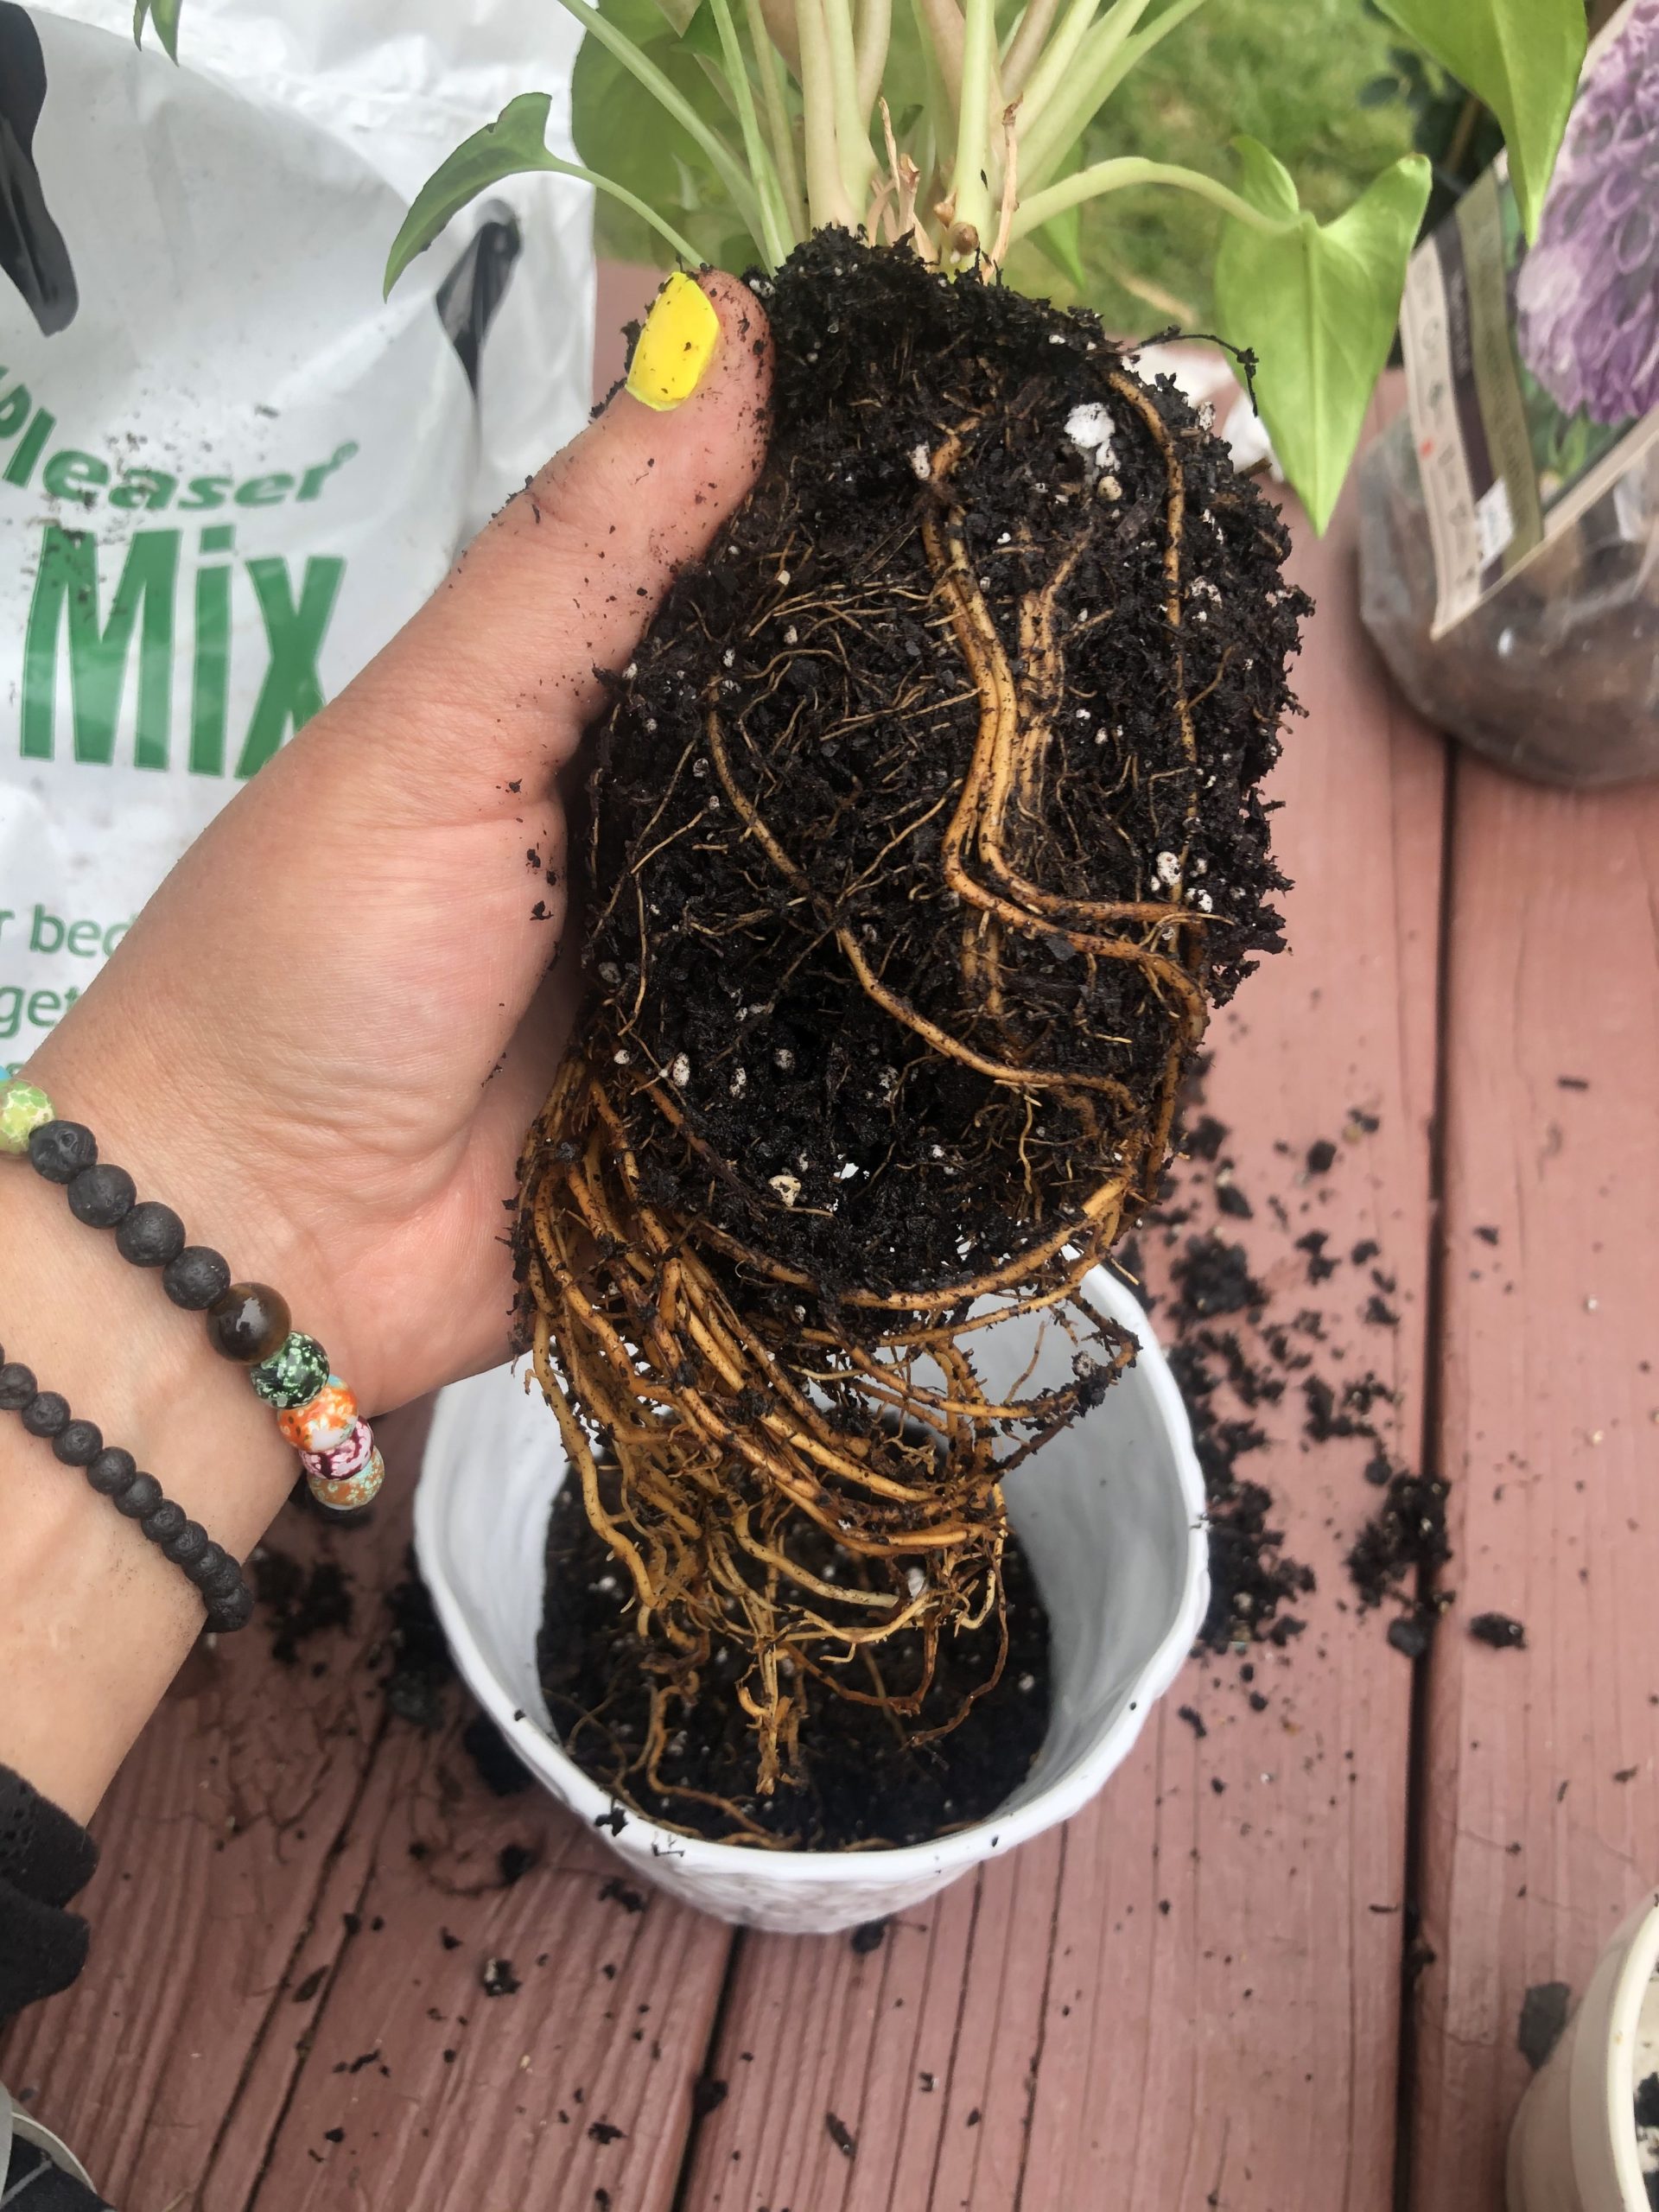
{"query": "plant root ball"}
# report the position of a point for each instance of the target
(926, 825)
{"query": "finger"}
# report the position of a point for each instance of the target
(494, 680)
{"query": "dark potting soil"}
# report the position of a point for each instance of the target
(815, 632)
(1240, 1352)
(863, 1781)
(1543, 2015)
(1501, 1631)
(775, 926)
(422, 1668)
(1405, 1536)
(299, 1601)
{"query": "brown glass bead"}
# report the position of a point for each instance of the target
(249, 1323)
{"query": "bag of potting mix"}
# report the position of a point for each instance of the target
(228, 470)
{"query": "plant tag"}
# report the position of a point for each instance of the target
(1494, 523)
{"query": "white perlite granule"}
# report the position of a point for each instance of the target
(1091, 428)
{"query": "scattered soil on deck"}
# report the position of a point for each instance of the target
(1242, 1352)
(300, 1601)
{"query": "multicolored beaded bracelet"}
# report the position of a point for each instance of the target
(247, 1322)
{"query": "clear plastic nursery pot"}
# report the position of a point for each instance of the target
(1111, 1512)
(1572, 2147)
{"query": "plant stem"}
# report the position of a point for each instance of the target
(772, 91)
(1169, 304)
(1046, 132)
(826, 197)
(1129, 169)
(1027, 45)
(779, 16)
(775, 238)
(974, 204)
(1129, 56)
(687, 253)
(856, 154)
(726, 164)
(939, 23)
(1048, 71)
(1172, 19)
(875, 35)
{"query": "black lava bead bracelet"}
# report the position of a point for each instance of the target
(116, 1475)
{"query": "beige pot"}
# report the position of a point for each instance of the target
(1572, 2147)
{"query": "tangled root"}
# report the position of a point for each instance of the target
(855, 831)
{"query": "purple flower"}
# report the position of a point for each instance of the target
(1587, 295)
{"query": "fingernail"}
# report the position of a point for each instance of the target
(675, 345)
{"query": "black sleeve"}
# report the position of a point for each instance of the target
(45, 1857)
(48, 2188)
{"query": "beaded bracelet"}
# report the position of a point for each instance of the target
(247, 1322)
(115, 1474)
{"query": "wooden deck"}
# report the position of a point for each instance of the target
(1277, 1967)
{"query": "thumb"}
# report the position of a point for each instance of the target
(494, 680)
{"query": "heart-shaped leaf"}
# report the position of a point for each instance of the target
(164, 14)
(1521, 58)
(513, 144)
(1317, 303)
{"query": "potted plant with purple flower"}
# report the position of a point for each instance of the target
(1512, 521)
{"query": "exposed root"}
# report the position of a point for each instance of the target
(733, 1369)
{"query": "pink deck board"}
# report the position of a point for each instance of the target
(1085, 2047)
(1543, 1805)
(1043, 2036)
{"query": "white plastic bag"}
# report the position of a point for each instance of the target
(228, 472)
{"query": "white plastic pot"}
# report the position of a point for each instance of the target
(1573, 2146)
(1111, 1512)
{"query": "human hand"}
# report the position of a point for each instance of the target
(325, 1037)
(322, 1044)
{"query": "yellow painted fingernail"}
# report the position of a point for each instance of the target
(675, 347)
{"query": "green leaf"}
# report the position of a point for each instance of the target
(164, 14)
(680, 14)
(513, 144)
(1060, 240)
(1521, 58)
(702, 34)
(1317, 303)
(1265, 182)
(601, 26)
(622, 132)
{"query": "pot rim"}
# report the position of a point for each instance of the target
(1617, 2052)
(945, 1855)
